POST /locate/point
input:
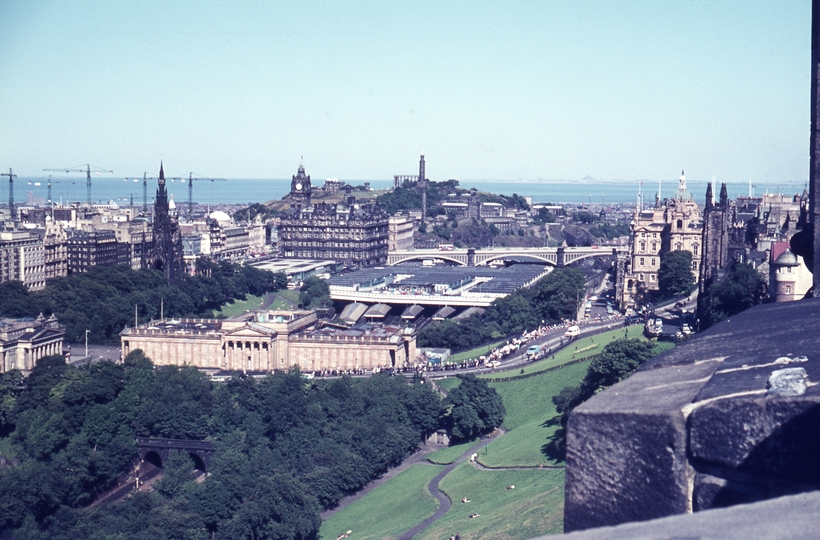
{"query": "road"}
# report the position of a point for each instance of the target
(550, 342)
(95, 352)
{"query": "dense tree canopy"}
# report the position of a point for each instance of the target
(103, 299)
(256, 209)
(551, 299)
(286, 448)
(473, 408)
(314, 293)
(675, 273)
(741, 288)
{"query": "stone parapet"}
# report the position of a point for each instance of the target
(729, 417)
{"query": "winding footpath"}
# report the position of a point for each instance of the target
(444, 501)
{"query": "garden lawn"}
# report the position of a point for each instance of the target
(529, 405)
(449, 383)
(534, 508)
(280, 304)
(389, 510)
(449, 454)
(237, 307)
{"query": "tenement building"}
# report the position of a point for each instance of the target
(672, 225)
(263, 341)
(95, 248)
(351, 233)
(22, 258)
(24, 341)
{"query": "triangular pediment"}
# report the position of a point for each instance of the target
(250, 331)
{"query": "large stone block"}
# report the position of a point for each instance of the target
(731, 416)
(626, 449)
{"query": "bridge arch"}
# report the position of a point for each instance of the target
(153, 458)
(199, 463)
(571, 257)
(502, 256)
(156, 451)
(422, 257)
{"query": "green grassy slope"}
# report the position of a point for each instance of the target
(388, 510)
(534, 508)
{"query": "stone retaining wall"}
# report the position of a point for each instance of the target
(704, 425)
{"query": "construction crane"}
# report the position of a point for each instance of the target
(145, 179)
(51, 180)
(191, 191)
(86, 168)
(11, 176)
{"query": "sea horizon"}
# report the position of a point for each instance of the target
(261, 190)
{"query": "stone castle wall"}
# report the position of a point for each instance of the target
(709, 424)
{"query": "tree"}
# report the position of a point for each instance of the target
(314, 293)
(675, 273)
(544, 216)
(275, 508)
(15, 300)
(473, 408)
(176, 477)
(513, 314)
(557, 296)
(741, 288)
(584, 217)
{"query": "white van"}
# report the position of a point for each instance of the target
(573, 332)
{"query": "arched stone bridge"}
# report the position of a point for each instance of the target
(560, 256)
(157, 451)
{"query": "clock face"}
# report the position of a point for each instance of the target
(298, 187)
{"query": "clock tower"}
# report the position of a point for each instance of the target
(300, 188)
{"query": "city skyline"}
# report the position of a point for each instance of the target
(490, 91)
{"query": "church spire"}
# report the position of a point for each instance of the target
(710, 198)
(161, 175)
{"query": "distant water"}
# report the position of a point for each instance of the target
(246, 191)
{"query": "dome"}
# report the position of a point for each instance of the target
(787, 258)
(682, 194)
(171, 204)
(219, 216)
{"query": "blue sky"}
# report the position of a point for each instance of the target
(551, 89)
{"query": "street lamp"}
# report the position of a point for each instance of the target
(86, 341)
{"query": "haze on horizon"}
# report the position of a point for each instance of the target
(504, 90)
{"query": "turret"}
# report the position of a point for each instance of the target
(724, 196)
(709, 196)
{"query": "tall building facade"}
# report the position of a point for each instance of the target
(22, 258)
(353, 234)
(95, 248)
(672, 225)
(168, 253)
